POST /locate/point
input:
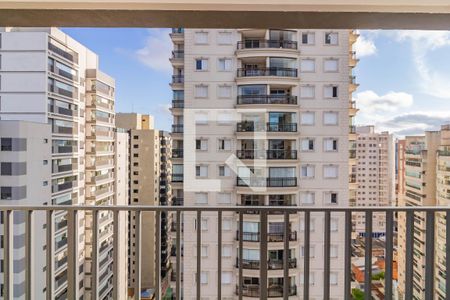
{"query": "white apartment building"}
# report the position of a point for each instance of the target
(279, 103)
(375, 175)
(49, 78)
(25, 160)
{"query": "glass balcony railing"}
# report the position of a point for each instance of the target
(248, 126)
(177, 128)
(177, 103)
(266, 99)
(270, 71)
(260, 44)
(266, 154)
(267, 182)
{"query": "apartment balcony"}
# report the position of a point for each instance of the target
(177, 153)
(353, 85)
(260, 182)
(283, 287)
(63, 92)
(177, 80)
(177, 58)
(177, 104)
(352, 110)
(267, 154)
(267, 72)
(353, 61)
(266, 100)
(177, 177)
(177, 201)
(67, 54)
(247, 126)
(272, 291)
(271, 264)
(444, 152)
(177, 35)
(177, 128)
(261, 44)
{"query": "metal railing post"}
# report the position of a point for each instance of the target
(389, 255)
(49, 266)
(348, 256)
(429, 256)
(306, 254)
(326, 257)
(263, 256)
(368, 258)
(29, 259)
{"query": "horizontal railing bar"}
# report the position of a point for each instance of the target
(222, 208)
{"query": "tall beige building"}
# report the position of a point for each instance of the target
(144, 189)
(420, 190)
(265, 122)
(375, 175)
(47, 77)
(442, 199)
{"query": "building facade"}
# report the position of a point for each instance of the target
(375, 175)
(420, 190)
(49, 78)
(277, 103)
(148, 185)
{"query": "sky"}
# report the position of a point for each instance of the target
(404, 76)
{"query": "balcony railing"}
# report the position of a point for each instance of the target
(258, 44)
(271, 264)
(178, 79)
(177, 103)
(267, 182)
(266, 99)
(247, 126)
(270, 71)
(254, 291)
(429, 214)
(177, 128)
(266, 154)
(177, 177)
(178, 54)
(177, 153)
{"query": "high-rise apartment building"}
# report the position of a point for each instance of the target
(420, 190)
(146, 187)
(25, 161)
(442, 199)
(277, 102)
(375, 175)
(49, 78)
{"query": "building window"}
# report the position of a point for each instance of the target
(226, 224)
(307, 171)
(330, 118)
(201, 64)
(331, 65)
(307, 198)
(227, 250)
(307, 65)
(204, 277)
(224, 38)
(13, 168)
(333, 251)
(331, 38)
(201, 91)
(330, 91)
(312, 253)
(333, 278)
(307, 118)
(307, 91)
(13, 144)
(224, 118)
(224, 91)
(331, 197)
(201, 144)
(201, 171)
(307, 144)
(224, 64)
(308, 38)
(330, 171)
(224, 171)
(13, 192)
(224, 144)
(226, 277)
(224, 198)
(201, 198)
(330, 145)
(201, 37)
(201, 118)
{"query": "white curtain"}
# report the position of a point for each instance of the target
(251, 226)
(330, 118)
(201, 37)
(307, 91)
(330, 171)
(307, 197)
(201, 198)
(281, 172)
(224, 91)
(305, 144)
(307, 171)
(307, 65)
(330, 145)
(201, 91)
(328, 91)
(226, 277)
(307, 118)
(311, 38)
(226, 250)
(250, 254)
(331, 65)
(225, 64)
(224, 38)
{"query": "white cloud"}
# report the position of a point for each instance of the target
(414, 123)
(431, 81)
(156, 52)
(364, 46)
(372, 103)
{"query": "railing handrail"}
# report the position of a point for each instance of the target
(266, 43)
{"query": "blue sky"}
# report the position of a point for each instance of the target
(403, 75)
